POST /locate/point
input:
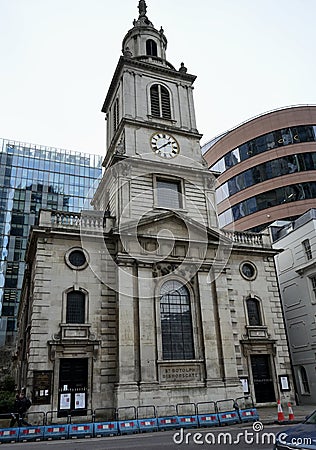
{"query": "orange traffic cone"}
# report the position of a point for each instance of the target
(291, 413)
(280, 412)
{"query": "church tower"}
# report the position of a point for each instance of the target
(151, 127)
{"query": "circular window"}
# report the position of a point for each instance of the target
(248, 270)
(76, 258)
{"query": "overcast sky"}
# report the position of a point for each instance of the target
(57, 58)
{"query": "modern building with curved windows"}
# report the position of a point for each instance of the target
(267, 168)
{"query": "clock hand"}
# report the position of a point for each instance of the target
(164, 145)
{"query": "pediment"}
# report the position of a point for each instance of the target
(169, 225)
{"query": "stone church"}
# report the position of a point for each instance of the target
(145, 301)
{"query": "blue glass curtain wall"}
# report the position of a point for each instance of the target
(266, 142)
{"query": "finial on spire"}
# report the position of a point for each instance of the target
(142, 8)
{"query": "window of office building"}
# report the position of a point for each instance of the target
(272, 140)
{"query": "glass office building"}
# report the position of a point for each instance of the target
(33, 177)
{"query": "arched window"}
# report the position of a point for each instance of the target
(151, 48)
(176, 322)
(253, 311)
(75, 307)
(303, 380)
(160, 101)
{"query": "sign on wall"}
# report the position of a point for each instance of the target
(42, 381)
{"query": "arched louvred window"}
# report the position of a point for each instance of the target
(160, 101)
(176, 322)
(75, 309)
(253, 311)
(151, 48)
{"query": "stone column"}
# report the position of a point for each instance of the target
(126, 388)
(209, 333)
(147, 328)
(226, 329)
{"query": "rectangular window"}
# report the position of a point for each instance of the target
(169, 194)
(307, 249)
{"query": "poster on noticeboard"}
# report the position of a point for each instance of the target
(80, 400)
(65, 401)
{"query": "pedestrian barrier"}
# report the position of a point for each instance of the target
(80, 427)
(76, 430)
(167, 417)
(33, 433)
(127, 422)
(246, 409)
(147, 420)
(227, 413)
(105, 422)
(9, 435)
(56, 431)
(207, 414)
(187, 416)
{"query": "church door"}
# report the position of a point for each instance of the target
(73, 385)
(262, 378)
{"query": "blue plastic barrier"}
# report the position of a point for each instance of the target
(187, 416)
(33, 433)
(147, 420)
(127, 422)
(9, 435)
(105, 429)
(246, 409)
(207, 414)
(128, 426)
(105, 422)
(227, 413)
(76, 430)
(167, 417)
(148, 424)
(56, 431)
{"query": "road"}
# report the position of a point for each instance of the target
(223, 438)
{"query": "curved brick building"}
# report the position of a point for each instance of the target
(267, 168)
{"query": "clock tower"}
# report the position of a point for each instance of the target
(151, 131)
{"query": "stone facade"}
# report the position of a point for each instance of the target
(296, 271)
(145, 301)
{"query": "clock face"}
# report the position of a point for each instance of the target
(164, 145)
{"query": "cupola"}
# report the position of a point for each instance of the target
(144, 42)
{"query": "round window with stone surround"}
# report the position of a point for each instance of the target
(248, 270)
(76, 258)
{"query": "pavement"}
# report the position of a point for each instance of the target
(269, 415)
